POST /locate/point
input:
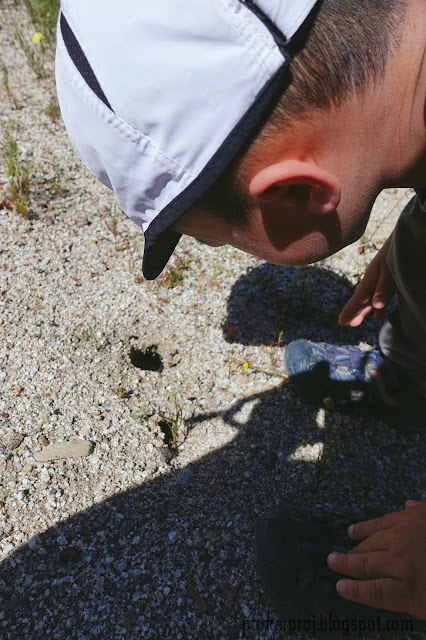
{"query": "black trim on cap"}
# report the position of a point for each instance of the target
(157, 245)
(158, 254)
(298, 41)
(77, 55)
(292, 45)
(279, 37)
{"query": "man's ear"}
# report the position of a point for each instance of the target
(297, 184)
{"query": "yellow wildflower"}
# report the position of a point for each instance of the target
(246, 366)
(37, 37)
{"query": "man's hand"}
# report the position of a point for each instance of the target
(389, 563)
(375, 291)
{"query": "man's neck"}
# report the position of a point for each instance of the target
(404, 99)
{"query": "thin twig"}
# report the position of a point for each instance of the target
(252, 367)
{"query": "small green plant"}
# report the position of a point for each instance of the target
(170, 425)
(113, 222)
(6, 87)
(58, 182)
(17, 170)
(84, 337)
(44, 16)
(363, 244)
(246, 365)
(280, 339)
(141, 415)
(52, 110)
(120, 392)
(173, 276)
(32, 51)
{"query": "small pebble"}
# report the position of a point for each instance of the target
(8, 549)
(228, 592)
(5, 453)
(183, 477)
(33, 543)
(13, 440)
(200, 607)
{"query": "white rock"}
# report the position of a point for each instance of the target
(8, 549)
(70, 449)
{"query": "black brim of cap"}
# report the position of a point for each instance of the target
(160, 241)
(157, 255)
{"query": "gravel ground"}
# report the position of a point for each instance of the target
(142, 525)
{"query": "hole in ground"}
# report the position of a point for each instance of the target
(148, 360)
(167, 429)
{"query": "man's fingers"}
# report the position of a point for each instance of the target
(362, 296)
(384, 290)
(365, 566)
(355, 310)
(362, 530)
(378, 541)
(360, 299)
(412, 503)
(373, 292)
(357, 320)
(385, 593)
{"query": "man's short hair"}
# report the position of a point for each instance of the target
(345, 51)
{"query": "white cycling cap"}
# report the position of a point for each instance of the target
(159, 96)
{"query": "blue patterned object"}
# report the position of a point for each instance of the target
(319, 371)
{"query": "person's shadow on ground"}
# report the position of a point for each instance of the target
(176, 554)
(272, 304)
